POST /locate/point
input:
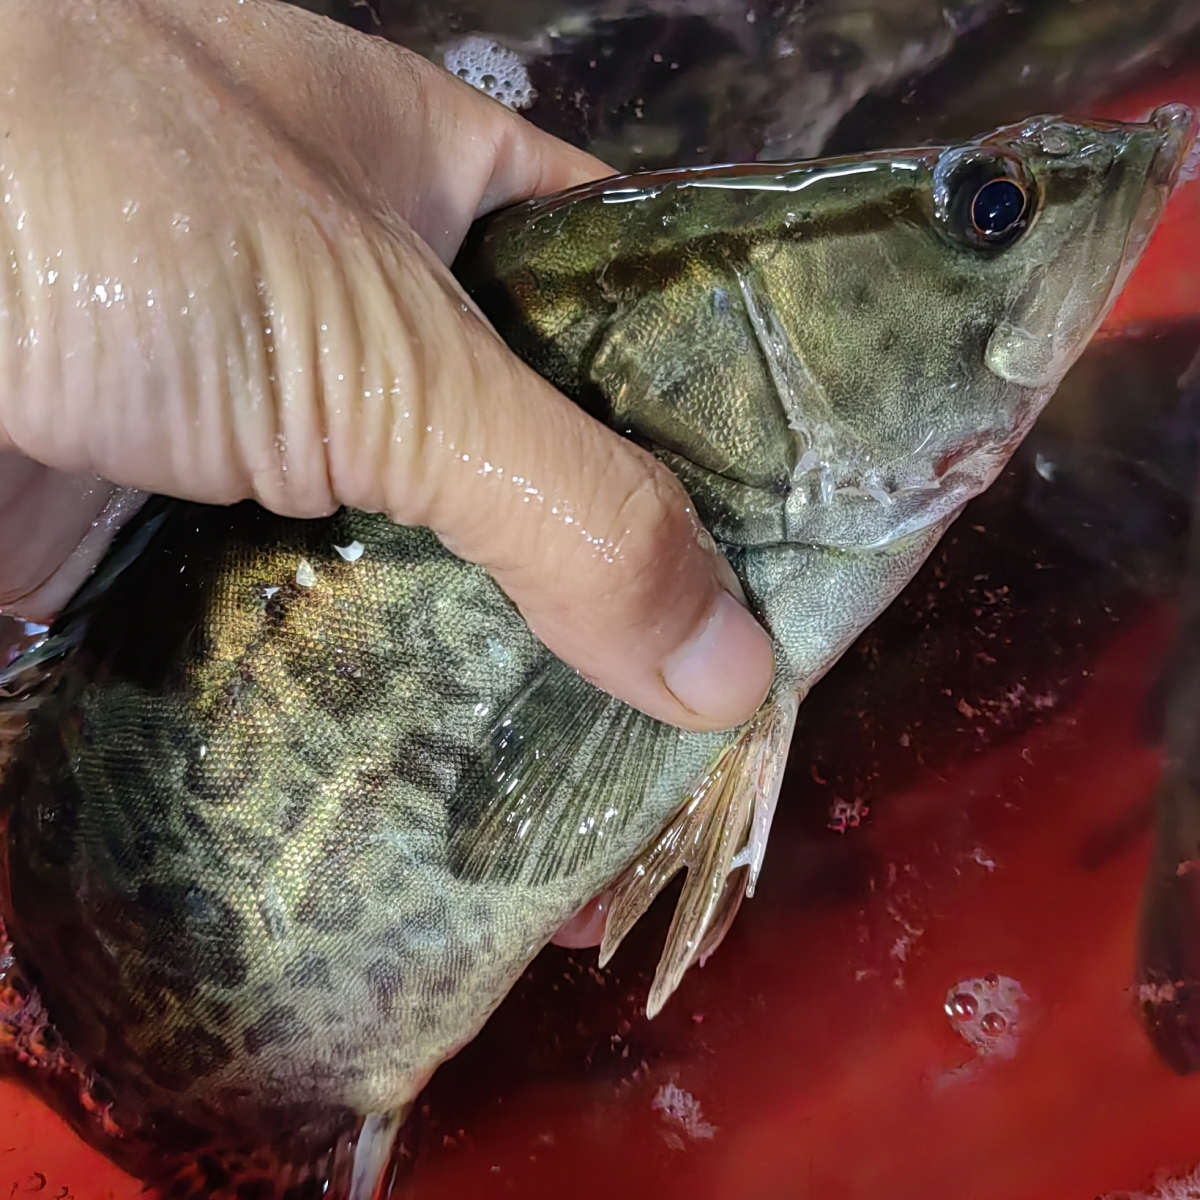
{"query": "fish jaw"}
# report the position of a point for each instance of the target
(1069, 296)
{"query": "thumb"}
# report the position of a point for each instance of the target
(595, 541)
(208, 305)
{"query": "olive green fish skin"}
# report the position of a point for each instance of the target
(862, 372)
(286, 824)
(241, 810)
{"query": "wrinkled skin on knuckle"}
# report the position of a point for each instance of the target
(445, 368)
(657, 537)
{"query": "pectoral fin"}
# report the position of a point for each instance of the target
(720, 836)
(567, 769)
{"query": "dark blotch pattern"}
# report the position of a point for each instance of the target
(277, 1026)
(383, 978)
(195, 936)
(184, 1055)
(310, 970)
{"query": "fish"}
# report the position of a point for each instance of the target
(293, 803)
(657, 82)
(1035, 55)
(650, 83)
(1167, 972)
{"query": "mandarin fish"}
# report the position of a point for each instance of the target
(293, 803)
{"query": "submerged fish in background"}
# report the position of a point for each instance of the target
(1168, 966)
(1033, 55)
(297, 801)
(645, 83)
(655, 82)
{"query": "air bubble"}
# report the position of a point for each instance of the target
(993, 1024)
(492, 68)
(986, 1013)
(963, 1006)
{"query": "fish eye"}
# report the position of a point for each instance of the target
(985, 201)
(998, 207)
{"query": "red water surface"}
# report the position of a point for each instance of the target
(1167, 284)
(813, 1056)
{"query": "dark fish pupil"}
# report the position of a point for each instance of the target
(997, 207)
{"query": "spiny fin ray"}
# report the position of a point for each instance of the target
(719, 836)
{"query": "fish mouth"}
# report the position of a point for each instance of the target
(1068, 294)
(1176, 126)
(1177, 123)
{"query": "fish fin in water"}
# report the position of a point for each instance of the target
(556, 785)
(719, 836)
(373, 1152)
(305, 1162)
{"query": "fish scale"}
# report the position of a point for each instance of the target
(284, 825)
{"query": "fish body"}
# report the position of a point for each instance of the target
(295, 802)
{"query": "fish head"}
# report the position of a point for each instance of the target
(925, 314)
(833, 356)
(834, 353)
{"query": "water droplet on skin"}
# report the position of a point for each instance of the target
(992, 980)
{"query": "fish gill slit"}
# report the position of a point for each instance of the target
(800, 394)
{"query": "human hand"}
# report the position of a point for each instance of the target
(224, 230)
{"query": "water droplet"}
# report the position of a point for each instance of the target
(992, 980)
(963, 1006)
(993, 1024)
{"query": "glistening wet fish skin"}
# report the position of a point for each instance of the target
(297, 801)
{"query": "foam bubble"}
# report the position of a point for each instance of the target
(1178, 1187)
(987, 1013)
(491, 68)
